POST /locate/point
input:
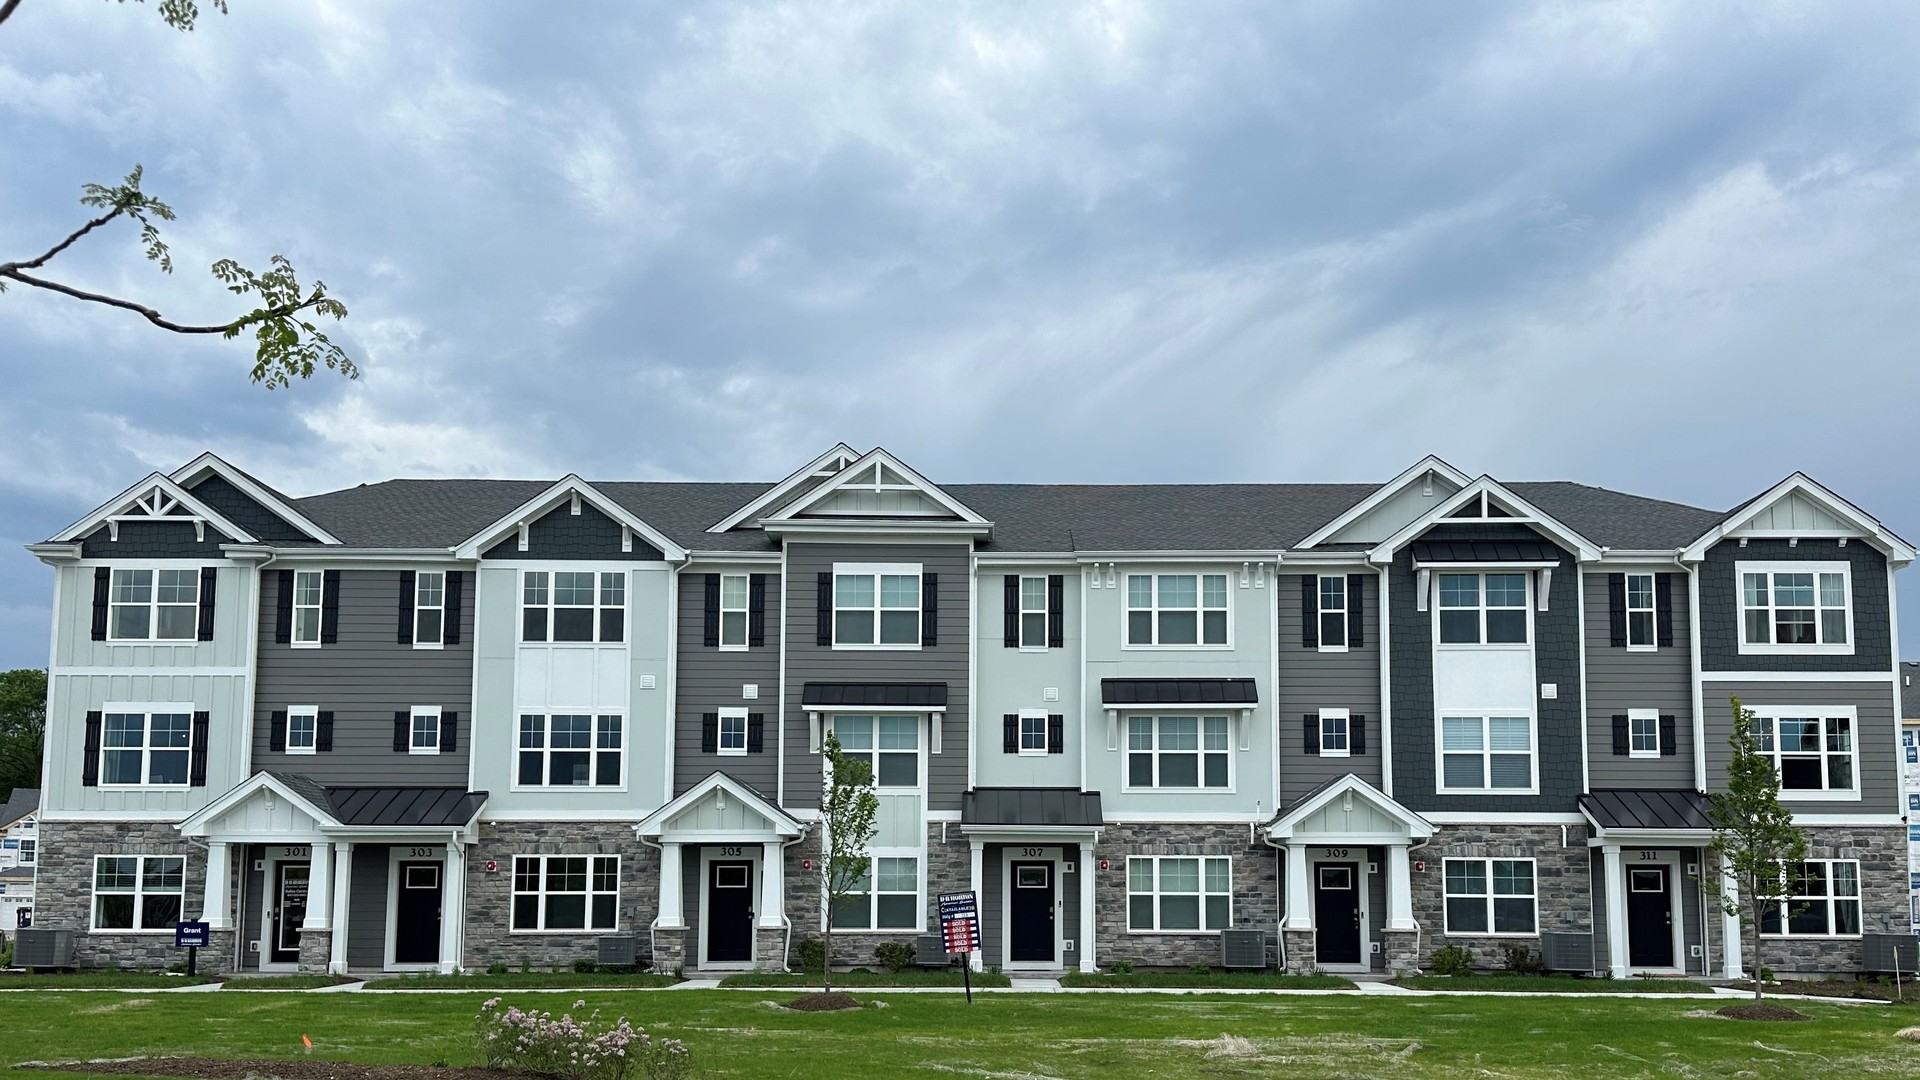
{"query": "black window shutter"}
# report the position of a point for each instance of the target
(756, 732)
(823, 609)
(277, 733)
(1356, 610)
(1356, 735)
(283, 609)
(1310, 613)
(455, 595)
(710, 733)
(1663, 609)
(90, 765)
(1669, 740)
(1056, 733)
(1010, 733)
(449, 732)
(209, 579)
(757, 610)
(102, 584)
(929, 610)
(1010, 589)
(402, 731)
(1617, 609)
(1312, 745)
(197, 750)
(1056, 611)
(405, 623)
(329, 607)
(1622, 735)
(323, 732)
(710, 624)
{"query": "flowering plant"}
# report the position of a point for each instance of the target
(580, 1049)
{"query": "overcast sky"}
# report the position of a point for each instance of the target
(1669, 248)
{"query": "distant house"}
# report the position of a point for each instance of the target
(19, 852)
(1910, 774)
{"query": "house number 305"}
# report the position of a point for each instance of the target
(729, 851)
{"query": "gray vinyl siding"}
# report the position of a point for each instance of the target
(993, 915)
(710, 679)
(945, 662)
(365, 678)
(1311, 680)
(562, 534)
(367, 907)
(1720, 606)
(1876, 736)
(1619, 680)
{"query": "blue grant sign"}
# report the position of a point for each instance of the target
(191, 935)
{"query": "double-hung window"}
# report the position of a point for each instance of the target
(733, 611)
(308, 587)
(154, 605)
(1333, 612)
(429, 609)
(1640, 612)
(1490, 896)
(569, 750)
(424, 730)
(573, 605)
(1823, 900)
(1177, 609)
(1033, 612)
(145, 749)
(1165, 893)
(877, 607)
(890, 744)
(1795, 607)
(1483, 609)
(1486, 754)
(303, 729)
(566, 892)
(1336, 736)
(887, 897)
(1812, 751)
(29, 851)
(138, 892)
(1179, 752)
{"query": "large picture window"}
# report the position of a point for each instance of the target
(573, 605)
(891, 744)
(1483, 609)
(138, 892)
(145, 749)
(569, 750)
(1795, 607)
(877, 607)
(1491, 896)
(887, 897)
(1177, 609)
(1823, 901)
(1165, 893)
(154, 605)
(1179, 752)
(566, 892)
(1486, 753)
(1810, 753)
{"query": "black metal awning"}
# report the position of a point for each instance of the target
(1178, 692)
(388, 806)
(1028, 807)
(891, 695)
(1648, 809)
(1485, 551)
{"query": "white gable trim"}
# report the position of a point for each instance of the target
(1418, 828)
(202, 822)
(838, 457)
(1526, 514)
(878, 456)
(1418, 471)
(1865, 525)
(570, 488)
(193, 471)
(110, 513)
(779, 822)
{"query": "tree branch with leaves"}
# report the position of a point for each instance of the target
(1754, 836)
(848, 813)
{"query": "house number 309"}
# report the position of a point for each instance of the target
(1336, 853)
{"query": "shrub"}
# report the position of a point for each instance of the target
(1451, 960)
(498, 967)
(1524, 961)
(1122, 967)
(533, 1041)
(894, 956)
(813, 955)
(584, 967)
(1199, 969)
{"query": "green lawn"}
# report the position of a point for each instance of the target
(1251, 980)
(1547, 984)
(853, 979)
(283, 982)
(1071, 1036)
(83, 980)
(523, 980)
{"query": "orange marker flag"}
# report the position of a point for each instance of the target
(307, 1042)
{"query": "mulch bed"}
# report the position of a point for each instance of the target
(1762, 1011)
(295, 1069)
(823, 1003)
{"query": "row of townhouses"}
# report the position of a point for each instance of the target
(438, 724)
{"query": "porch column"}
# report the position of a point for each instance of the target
(669, 917)
(1616, 886)
(319, 888)
(1399, 889)
(976, 877)
(453, 906)
(773, 886)
(342, 869)
(1730, 940)
(214, 910)
(1299, 889)
(1088, 961)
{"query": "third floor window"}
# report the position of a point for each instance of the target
(570, 605)
(1177, 609)
(155, 605)
(1483, 609)
(1787, 607)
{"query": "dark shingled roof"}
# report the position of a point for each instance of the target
(895, 694)
(1178, 692)
(1030, 806)
(1628, 808)
(416, 807)
(23, 801)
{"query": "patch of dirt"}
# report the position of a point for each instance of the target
(295, 1069)
(1762, 1011)
(1911, 1034)
(833, 1002)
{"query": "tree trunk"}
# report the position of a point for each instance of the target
(1759, 984)
(826, 959)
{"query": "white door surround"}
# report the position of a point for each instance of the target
(1364, 862)
(1670, 859)
(275, 856)
(397, 854)
(710, 854)
(1055, 857)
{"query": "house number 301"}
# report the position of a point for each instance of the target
(1336, 853)
(729, 851)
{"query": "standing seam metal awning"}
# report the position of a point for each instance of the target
(1484, 551)
(1179, 692)
(895, 695)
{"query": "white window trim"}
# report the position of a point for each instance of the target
(29, 851)
(1823, 713)
(873, 893)
(1345, 609)
(1199, 610)
(318, 607)
(744, 611)
(720, 737)
(138, 893)
(1345, 716)
(514, 893)
(1488, 896)
(1202, 895)
(1045, 611)
(922, 737)
(153, 604)
(1821, 648)
(546, 715)
(1787, 904)
(147, 710)
(1127, 752)
(1486, 751)
(1633, 717)
(1032, 714)
(598, 570)
(413, 729)
(1652, 609)
(313, 713)
(419, 582)
(876, 571)
(1527, 606)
